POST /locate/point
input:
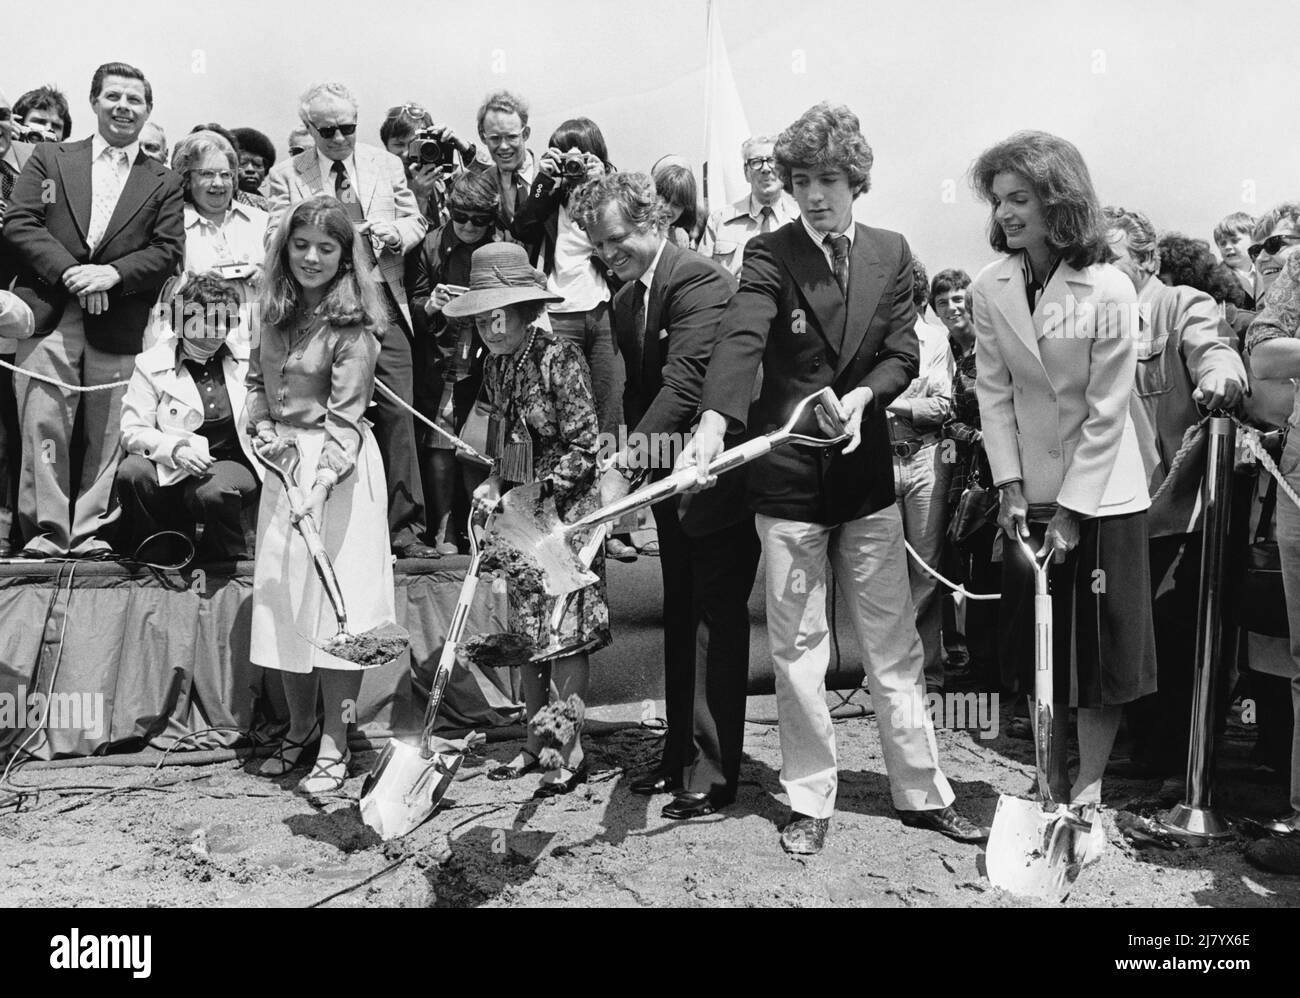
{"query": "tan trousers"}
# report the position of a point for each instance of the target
(870, 567)
(55, 519)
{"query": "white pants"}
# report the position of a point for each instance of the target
(870, 568)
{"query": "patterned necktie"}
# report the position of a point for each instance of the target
(6, 181)
(341, 182)
(767, 219)
(840, 247)
(106, 188)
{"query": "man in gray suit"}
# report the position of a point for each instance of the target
(371, 183)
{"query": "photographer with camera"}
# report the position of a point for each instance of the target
(575, 154)
(431, 153)
(42, 116)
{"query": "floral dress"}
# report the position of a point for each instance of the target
(542, 398)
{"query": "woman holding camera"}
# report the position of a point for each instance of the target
(540, 393)
(575, 154)
(310, 379)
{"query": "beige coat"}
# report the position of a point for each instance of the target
(1054, 388)
(162, 408)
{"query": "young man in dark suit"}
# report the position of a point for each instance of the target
(94, 230)
(665, 318)
(824, 302)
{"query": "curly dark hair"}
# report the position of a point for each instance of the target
(1054, 168)
(920, 284)
(1191, 262)
(826, 135)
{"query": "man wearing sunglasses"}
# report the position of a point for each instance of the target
(765, 209)
(371, 184)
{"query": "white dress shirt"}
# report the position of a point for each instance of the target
(575, 277)
(819, 238)
(238, 239)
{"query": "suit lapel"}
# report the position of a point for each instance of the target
(807, 265)
(307, 165)
(74, 170)
(1011, 302)
(367, 179)
(181, 388)
(141, 181)
(867, 281)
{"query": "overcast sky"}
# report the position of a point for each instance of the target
(1184, 109)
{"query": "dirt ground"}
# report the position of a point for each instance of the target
(217, 836)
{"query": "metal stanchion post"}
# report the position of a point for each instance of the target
(1195, 820)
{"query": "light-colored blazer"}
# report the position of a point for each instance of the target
(162, 408)
(1054, 388)
(382, 191)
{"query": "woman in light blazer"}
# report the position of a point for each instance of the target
(1055, 365)
(184, 417)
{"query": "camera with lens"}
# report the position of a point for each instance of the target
(30, 135)
(427, 149)
(573, 168)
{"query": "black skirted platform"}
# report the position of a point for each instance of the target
(139, 658)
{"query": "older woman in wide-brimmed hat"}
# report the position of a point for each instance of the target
(540, 391)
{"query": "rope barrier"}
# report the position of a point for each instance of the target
(59, 384)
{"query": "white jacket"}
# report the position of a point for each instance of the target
(162, 408)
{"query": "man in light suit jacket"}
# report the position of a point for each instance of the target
(825, 302)
(666, 319)
(94, 230)
(371, 183)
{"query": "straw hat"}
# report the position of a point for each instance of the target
(499, 275)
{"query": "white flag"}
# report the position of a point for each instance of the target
(725, 125)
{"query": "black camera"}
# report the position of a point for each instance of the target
(426, 149)
(573, 169)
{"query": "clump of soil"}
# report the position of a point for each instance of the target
(496, 651)
(520, 567)
(367, 649)
(557, 724)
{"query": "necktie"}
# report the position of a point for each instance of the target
(106, 188)
(840, 247)
(767, 219)
(341, 183)
(6, 181)
(638, 325)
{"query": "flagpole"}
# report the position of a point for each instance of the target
(708, 97)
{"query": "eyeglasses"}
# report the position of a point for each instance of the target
(464, 218)
(329, 131)
(1272, 245)
(295, 150)
(207, 176)
(759, 162)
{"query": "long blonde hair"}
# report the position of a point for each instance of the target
(352, 297)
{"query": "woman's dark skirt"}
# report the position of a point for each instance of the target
(1101, 615)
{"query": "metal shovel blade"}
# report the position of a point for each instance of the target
(377, 646)
(532, 545)
(404, 787)
(1035, 852)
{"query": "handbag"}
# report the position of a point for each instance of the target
(1263, 600)
(475, 430)
(976, 507)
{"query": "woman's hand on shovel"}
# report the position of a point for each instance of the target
(487, 497)
(1062, 534)
(315, 505)
(271, 445)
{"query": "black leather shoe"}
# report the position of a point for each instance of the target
(945, 821)
(416, 550)
(688, 804)
(576, 778)
(656, 783)
(804, 836)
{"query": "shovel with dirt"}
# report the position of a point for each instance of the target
(1037, 847)
(535, 548)
(407, 781)
(377, 646)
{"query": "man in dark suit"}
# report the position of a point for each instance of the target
(825, 302)
(94, 230)
(666, 320)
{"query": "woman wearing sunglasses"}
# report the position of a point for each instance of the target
(449, 352)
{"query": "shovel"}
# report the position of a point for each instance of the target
(377, 646)
(406, 782)
(535, 547)
(1037, 847)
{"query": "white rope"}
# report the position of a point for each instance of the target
(951, 585)
(59, 384)
(1250, 438)
(454, 440)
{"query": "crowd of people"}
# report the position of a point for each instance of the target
(360, 306)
